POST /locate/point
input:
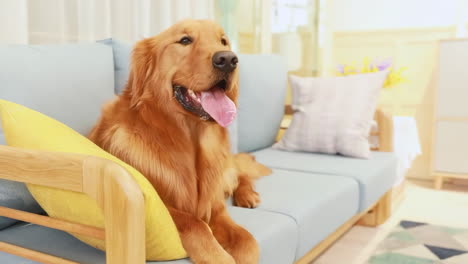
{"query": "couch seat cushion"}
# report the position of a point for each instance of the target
(375, 175)
(276, 234)
(318, 203)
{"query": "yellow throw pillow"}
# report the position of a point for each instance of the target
(26, 128)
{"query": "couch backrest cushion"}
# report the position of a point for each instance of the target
(67, 82)
(121, 52)
(15, 195)
(262, 92)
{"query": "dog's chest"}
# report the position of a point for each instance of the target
(212, 154)
(187, 171)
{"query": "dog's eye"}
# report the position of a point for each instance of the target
(224, 41)
(185, 41)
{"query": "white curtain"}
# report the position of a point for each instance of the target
(61, 21)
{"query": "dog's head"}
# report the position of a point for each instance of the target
(190, 69)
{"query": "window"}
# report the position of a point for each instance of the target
(288, 15)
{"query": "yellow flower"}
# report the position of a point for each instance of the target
(394, 77)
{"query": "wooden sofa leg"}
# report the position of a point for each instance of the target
(438, 182)
(379, 213)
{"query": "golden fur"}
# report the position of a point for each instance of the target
(183, 156)
(239, 180)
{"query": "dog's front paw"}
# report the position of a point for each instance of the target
(215, 258)
(246, 198)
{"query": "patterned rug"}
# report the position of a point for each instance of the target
(420, 243)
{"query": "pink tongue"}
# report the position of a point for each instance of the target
(219, 106)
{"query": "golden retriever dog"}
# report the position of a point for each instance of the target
(169, 123)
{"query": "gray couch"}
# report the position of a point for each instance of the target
(306, 199)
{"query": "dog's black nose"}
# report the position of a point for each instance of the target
(225, 61)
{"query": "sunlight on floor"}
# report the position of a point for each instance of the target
(422, 204)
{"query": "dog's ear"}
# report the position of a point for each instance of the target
(141, 69)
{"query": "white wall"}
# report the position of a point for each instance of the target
(352, 15)
(374, 15)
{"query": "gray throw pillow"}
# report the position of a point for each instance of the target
(333, 115)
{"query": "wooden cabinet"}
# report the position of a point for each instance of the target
(450, 148)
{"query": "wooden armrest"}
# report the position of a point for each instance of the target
(385, 134)
(109, 184)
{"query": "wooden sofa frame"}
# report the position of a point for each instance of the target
(122, 202)
(115, 191)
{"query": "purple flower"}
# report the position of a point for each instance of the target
(340, 68)
(383, 64)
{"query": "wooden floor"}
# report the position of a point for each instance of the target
(422, 203)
